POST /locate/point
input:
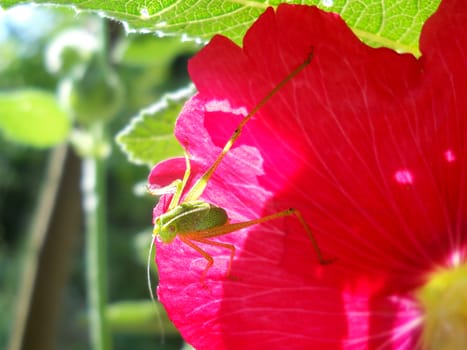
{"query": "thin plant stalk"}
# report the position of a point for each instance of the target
(94, 194)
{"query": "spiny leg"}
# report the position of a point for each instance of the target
(181, 185)
(202, 237)
(209, 258)
(197, 190)
(310, 235)
(176, 187)
(225, 229)
(229, 246)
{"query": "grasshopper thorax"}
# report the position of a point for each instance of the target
(192, 216)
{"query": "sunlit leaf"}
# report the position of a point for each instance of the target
(149, 137)
(392, 23)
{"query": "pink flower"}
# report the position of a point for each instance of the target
(368, 144)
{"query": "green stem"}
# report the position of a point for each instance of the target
(94, 194)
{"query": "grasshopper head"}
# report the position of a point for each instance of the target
(164, 232)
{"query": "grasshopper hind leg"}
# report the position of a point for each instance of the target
(210, 260)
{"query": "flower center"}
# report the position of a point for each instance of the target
(444, 302)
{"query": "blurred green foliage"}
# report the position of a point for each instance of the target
(146, 67)
(46, 124)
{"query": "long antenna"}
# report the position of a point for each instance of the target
(151, 293)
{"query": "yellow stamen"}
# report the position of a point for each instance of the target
(444, 302)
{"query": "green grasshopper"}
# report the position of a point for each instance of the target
(195, 221)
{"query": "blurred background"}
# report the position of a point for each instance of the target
(90, 72)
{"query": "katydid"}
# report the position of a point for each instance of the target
(195, 221)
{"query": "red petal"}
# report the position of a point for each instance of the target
(366, 143)
(165, 172)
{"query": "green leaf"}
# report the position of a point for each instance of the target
(391, 23)
(33, 117)
(149, 136)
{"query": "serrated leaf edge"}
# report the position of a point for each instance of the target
(163, 103)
